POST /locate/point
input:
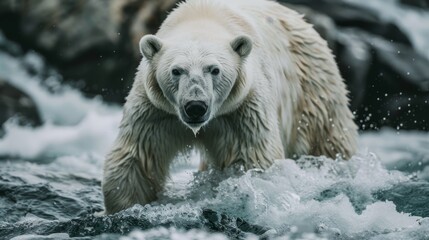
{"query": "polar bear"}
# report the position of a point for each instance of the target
(244, 81)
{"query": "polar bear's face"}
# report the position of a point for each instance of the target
(196, 78)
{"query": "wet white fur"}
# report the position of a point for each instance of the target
(287, 98)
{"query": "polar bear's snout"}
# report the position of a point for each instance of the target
(195, 99)
(195, 114)
(195, 111)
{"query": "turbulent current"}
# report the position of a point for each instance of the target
(50, 179)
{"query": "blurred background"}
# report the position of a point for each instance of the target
(381, 46)
(66, 67)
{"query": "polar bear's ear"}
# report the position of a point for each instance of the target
(149, 46)
(242, 45)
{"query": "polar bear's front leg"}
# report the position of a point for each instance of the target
(136, 169)
(126, 182)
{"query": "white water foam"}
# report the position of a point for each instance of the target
(173, 234)
(286, 198)
(73, 125)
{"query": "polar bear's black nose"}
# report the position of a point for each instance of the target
(195, 109)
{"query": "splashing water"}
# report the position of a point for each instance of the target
(50, 183)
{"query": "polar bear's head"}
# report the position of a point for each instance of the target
(197, 78)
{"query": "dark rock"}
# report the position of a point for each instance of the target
(354, 60)
(91, 40)
(124, 222)
(8, 47)
(388, 79)
(236, 228)
(397, 87)
(15, 103)
(416, 3)
(345, 14)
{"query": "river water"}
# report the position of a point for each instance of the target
(50, 179)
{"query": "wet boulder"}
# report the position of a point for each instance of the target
(16, 103)
(416, 3)
(93, 41)
(386, 74)
(346, 14)
(68, 33)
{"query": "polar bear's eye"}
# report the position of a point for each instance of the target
(175, 72)
(215, 71)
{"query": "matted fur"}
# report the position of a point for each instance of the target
(288, 99)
